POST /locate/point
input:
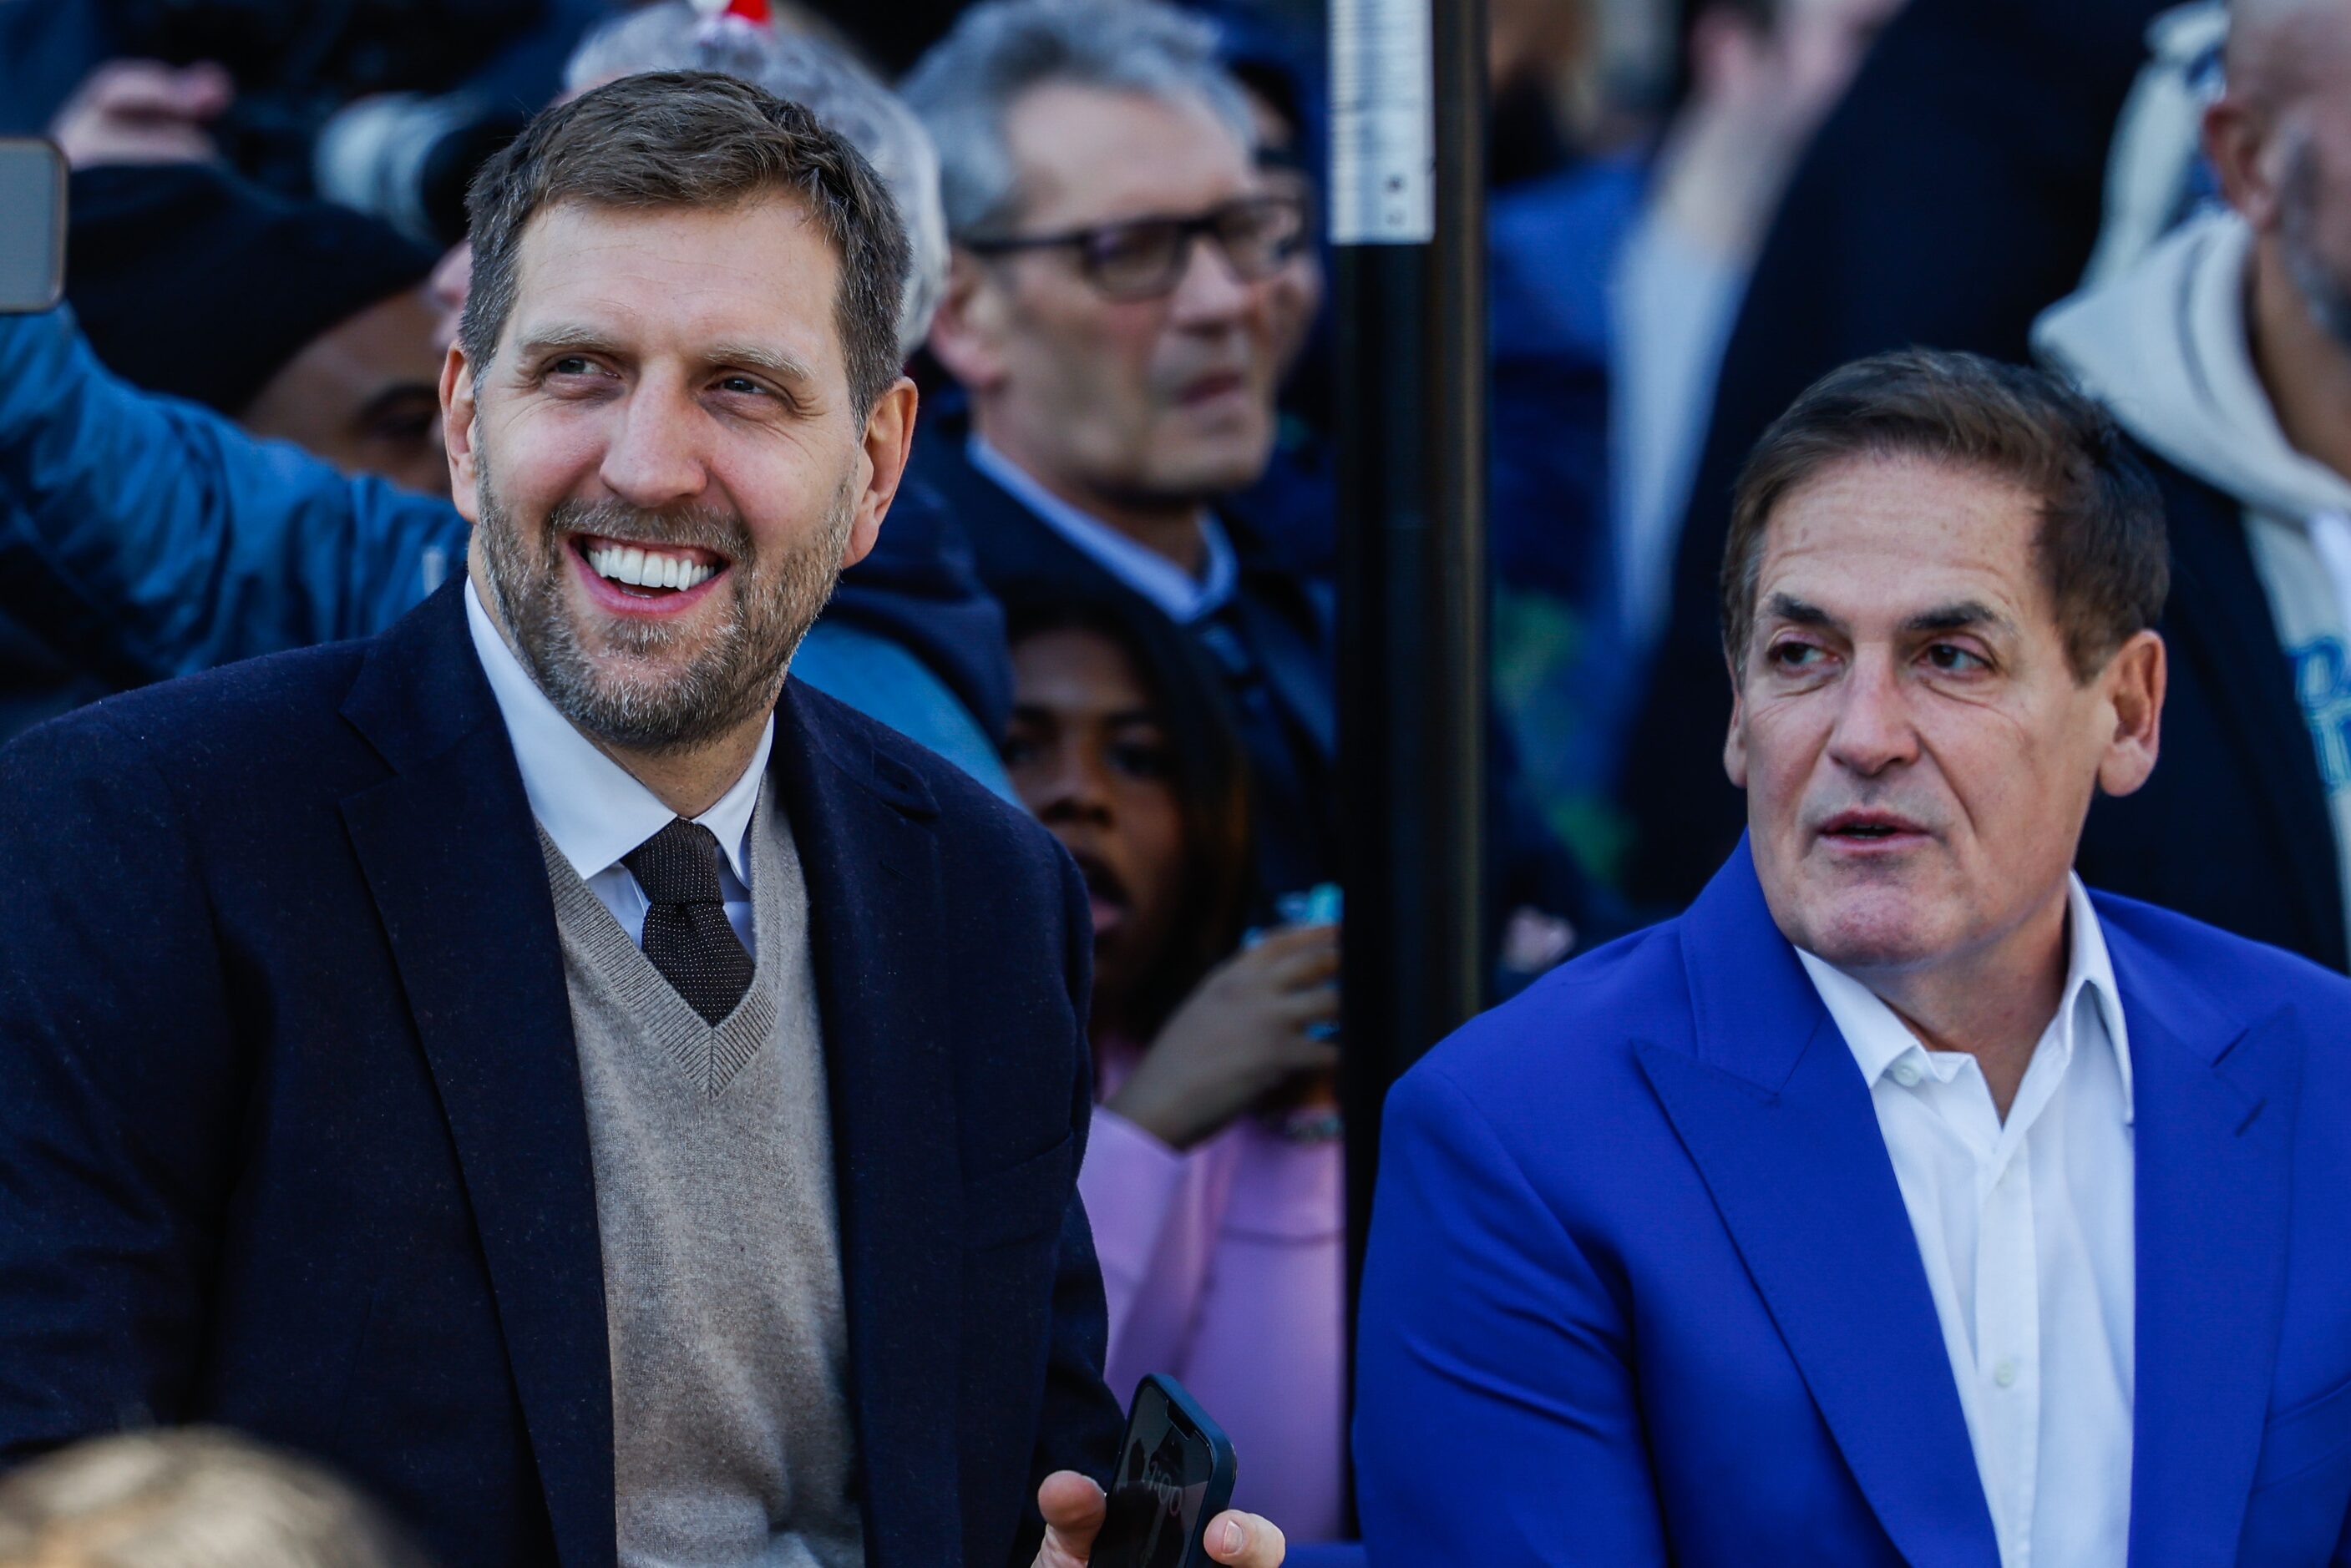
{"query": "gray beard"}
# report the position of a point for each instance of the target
(640, 686)
(2325, 292)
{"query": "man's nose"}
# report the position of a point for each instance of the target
(1077, 790)
(656, 457)
(1873, 729)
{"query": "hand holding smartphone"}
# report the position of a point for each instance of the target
(1175, 1473)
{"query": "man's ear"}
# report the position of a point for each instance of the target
(1734, 744)
(2133, 680)
(969, 332)
(457, 412)
(889, 440)
(2239, 142)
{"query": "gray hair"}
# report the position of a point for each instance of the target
(1001, 50)
(194, 1497)
(843, 96)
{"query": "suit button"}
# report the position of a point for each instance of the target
(1907, 1074)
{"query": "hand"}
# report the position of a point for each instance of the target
(1074, 1507)
(1241, 1034)
(143, 112)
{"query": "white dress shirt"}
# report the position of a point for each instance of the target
(592, 807)
(2025, 1229)
(1182, 597)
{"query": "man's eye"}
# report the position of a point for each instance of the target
(742, 386)
(1793, 655)
(570, 365)
(1946, 656)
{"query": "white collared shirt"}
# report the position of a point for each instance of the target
(1180, 596)
(2025, 1229)
(592, 807)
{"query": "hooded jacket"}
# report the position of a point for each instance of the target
(2260, 540)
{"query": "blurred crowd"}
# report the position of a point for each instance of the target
(1106, 591)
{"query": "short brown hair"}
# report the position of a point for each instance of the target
(2101, 546)
(694, 140)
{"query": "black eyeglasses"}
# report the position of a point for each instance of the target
(1145, 258)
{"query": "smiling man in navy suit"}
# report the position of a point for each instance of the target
(615, 1103)
(1903, 1201)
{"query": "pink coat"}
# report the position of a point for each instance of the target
(1226, 1267)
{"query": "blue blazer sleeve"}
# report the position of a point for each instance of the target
(116, 1087)
(1495, 1420)
(182, 541)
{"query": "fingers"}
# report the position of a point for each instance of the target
(1245, 1541)
(1073, 1508)
(147, 89)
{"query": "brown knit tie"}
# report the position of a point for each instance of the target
(687, 934)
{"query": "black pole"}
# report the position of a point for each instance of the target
(1408, 227)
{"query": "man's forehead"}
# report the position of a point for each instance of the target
(761, 272)
(1087, 154)
(1892, 537)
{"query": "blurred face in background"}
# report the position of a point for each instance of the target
(364, 395)
(1297, 286)
(1917, 751)
(1087, 755)
(1165, 399)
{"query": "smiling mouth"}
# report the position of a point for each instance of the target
(648, 571)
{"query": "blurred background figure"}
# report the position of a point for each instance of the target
(390, 104)
(1214, 1175)
(189, 1498)
(1111, 320)
(2224, 352)
(301, 320)
(1616, 275)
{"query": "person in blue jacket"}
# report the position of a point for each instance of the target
(1903, 1201)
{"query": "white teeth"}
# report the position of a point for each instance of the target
(648, 568)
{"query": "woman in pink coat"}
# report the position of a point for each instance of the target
(1214, 1177)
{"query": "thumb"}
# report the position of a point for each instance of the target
(1073, 1508)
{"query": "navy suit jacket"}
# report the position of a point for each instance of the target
(291, 1135)
(1642, 1287)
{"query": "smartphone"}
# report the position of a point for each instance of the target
(1176, 1471)
(32, 225)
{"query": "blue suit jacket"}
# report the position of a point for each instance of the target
(1642, 1287)
(291, 1135)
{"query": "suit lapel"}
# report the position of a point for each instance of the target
(1779, 1121)
(450, 853)
(864, 826)
(2214, 1106)
(2225, 630)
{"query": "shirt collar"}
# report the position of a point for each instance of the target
(1178, 595)
(592, 807)
(1878, 1038)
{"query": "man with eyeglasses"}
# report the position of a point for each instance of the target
(1111, 316)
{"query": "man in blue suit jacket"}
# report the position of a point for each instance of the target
(340, 1097)
(1901, 1202)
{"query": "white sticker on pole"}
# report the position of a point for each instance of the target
(1382, 130)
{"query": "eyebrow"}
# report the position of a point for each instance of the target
(1961, 615)
(744, 356)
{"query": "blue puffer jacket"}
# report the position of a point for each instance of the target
(143, 538)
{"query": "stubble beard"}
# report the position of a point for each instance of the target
(636, 684)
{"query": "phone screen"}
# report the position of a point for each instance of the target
(1162, 1482)
(32, 225)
